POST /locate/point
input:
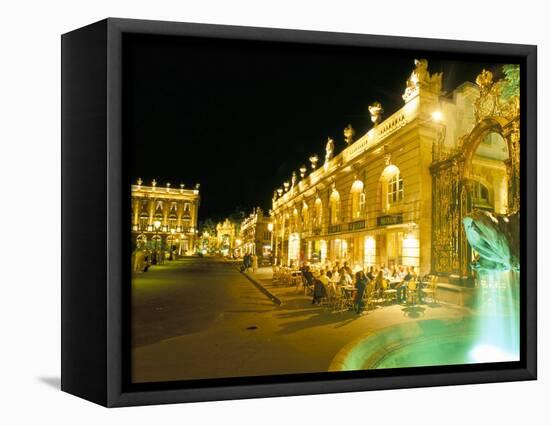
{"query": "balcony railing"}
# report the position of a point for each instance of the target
(332, 229)
(358, 224)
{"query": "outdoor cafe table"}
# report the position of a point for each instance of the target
(349, 289)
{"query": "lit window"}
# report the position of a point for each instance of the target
(480, 194)
(294, 220)
(318, 212)
(305, 216)
(143, 222)
(334, 207)
(357, 200)
(395, 188)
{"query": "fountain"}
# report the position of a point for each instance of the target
(495, 238)
(490, 334)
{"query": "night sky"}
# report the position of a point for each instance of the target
(240, 116)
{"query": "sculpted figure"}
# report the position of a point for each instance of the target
(495, 238)
(329, 150)
(349, 133)
(421, 77)
(376, 111)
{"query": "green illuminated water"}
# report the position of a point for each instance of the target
(490, 334)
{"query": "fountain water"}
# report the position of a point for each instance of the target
(491, 334)
(495, 239)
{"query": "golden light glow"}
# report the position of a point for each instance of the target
(437, 116)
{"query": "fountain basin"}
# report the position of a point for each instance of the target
(425, 343)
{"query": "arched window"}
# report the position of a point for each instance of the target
(392, 187)
(141, 241)
(357, 200)
(334, 207)
(318, 219)
(143, 221)
(480, 195)
(294, 220)
(305, 216)
(395, 189)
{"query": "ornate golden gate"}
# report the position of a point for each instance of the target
(496, 110)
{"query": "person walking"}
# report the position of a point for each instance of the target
(244, 267)
(361, 282)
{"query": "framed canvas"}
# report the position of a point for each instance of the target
(254, 212)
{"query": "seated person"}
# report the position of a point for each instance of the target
(378, 283)
(319, 287)
(348, 269)
(345, 278)
(335, 275)
(370, 273)
(402, 286)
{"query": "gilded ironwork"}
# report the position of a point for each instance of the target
(496, 109)
(498, 99)
(446, 216)
(513, 169)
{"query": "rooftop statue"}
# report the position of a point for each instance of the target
(329, 150)
(349, 133)
(495, 238)
(376, 111)
(421, 78)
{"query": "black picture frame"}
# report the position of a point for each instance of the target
(94, 313)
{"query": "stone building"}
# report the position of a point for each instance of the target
(255, 235)
(397, 194)
(226, 233)
(164, 217)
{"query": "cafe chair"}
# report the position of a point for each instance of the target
(412, 292)
(346, 300)
(388, 293)
(431, 290)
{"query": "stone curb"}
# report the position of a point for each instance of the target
(264, 290)
(260, 287)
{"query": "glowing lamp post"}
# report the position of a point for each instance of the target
(437, 116)
(156, 225)
(270, 229)
(171, 248)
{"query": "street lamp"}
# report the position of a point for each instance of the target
(173, 232)
(156, 225)
(437, 116)
(270, 229)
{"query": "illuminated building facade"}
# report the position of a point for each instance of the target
(226, 233)
(255, 236)
(165, 217)
(397, 194)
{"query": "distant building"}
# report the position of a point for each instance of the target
(165, 217)
(226, 233)
(255, 236)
